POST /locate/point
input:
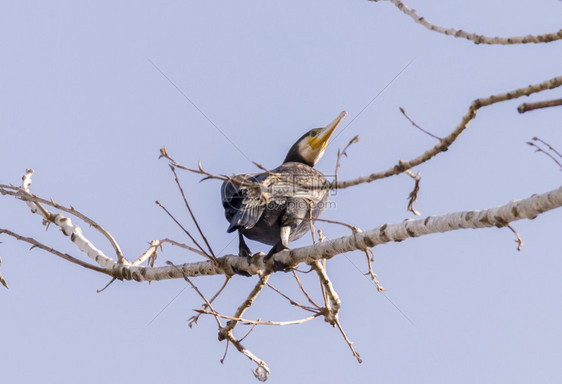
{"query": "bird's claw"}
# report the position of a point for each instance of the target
(278, 266)
(241, 272)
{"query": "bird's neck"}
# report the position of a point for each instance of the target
(295, 155)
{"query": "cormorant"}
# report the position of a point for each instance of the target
(275, 207)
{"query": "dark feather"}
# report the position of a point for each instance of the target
(259, 204)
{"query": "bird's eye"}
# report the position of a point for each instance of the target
(313, 133)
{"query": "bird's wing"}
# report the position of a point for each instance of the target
(242, 201)
(245, 197)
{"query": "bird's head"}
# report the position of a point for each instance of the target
(310, 148)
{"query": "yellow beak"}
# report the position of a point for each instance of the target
(321, 140)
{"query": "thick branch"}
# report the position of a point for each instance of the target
(525, 107)
(494, 217)
(476, 38)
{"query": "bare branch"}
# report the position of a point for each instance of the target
(194, 319)
(417, 126)
(202, 251)
(247, 333)
(332, 310)
(258, 322)
(262, 371)
(245, 305)
(334, 304)
(525, 107)
(212, 254)
(518, 239)
(354, 140)
(305, 293)
(539, 149)
(65, 256)
(73, 231)
(349, 342)
(293, 302)
(446, 142)
(370, 258)
(550, 147)
(113, 279)
(352, 227)
(31, 200)
(476, 38)
(413, 196)
(528, 208)
(199, 171)
(207, 302)
(225, 333)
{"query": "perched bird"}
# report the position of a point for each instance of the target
(275, 207)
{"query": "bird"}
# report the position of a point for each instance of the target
(275, 207)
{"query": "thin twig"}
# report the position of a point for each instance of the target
(374, 277)
(199, 171)
(518, 239)
(225, 351)
(525, 107)
(213, 257)
(155, 244)
(193, 319)
(305, 293)
(107, 285)
(293, 302)
(417, 126)
(262, 371)
(186, 232)
(332, 312)
(550, 147)
(352, 227)
(257, 322)
(249, 332)
(413, 196)
(349, 342)
(539, 149)
(263, 169)
(207, 302)
(65, 256)
(354, 140)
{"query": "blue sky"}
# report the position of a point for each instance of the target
(83, 105)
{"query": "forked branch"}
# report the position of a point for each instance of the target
(446, 142)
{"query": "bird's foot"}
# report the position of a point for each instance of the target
(277, 266)
(241, 272)
(244, 251)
